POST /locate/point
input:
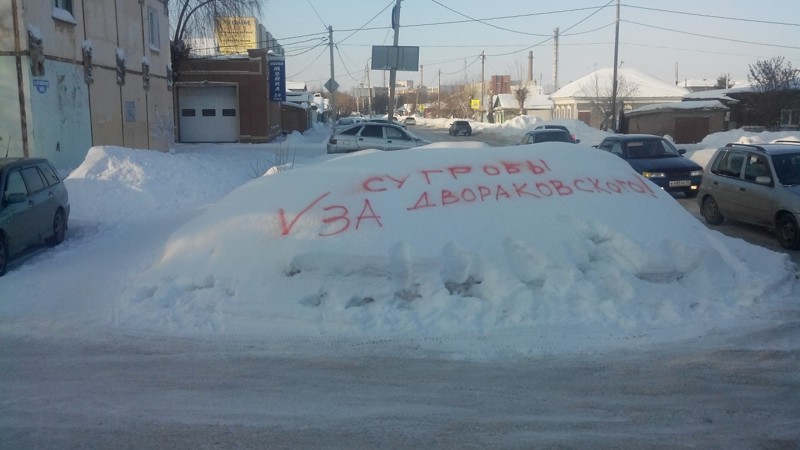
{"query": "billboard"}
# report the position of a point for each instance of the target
(236, 34)
(386, 57)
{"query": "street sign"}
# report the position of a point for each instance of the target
(475, 104)
(331, 85)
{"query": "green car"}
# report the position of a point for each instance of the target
(34, 207)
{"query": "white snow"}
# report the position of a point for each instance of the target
(600, 81)
(561, 246)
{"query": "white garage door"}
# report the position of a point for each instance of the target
(208, 114)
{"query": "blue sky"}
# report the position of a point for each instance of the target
(700, 39)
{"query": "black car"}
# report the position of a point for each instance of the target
(558, 127)
(657, 160)
(34, 206)
(548, 135)
(460, 127)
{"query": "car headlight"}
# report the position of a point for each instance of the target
(696, 173)
(653, 174)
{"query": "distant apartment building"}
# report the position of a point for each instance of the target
(80, 73)
(500, 84)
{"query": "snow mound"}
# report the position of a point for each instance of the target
(432, 242)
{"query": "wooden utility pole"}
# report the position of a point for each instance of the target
(332, 80)
(614, 83)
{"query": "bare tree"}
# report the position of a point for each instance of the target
(600, 97)
(520, 95)
(775, 81)
(197, 19)
(774, 74)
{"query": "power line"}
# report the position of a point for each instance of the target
(711, 16)
(710, 37)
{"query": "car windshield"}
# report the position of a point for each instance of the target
(787, 167)
(650, 148)
(552, 135)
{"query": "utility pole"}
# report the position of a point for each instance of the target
(483, 81)
(393, 70)
(421, 79)
(332, 80)
(614, 83)
(369, 86)
(439, 96)
(530, 65)
(555, 59)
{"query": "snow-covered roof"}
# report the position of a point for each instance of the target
(705, 105)
(602, 80)
(718, 94)
(297, 86)
(508, 101)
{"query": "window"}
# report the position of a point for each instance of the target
(15, 185)
(66, 5)
(373, 131)
(756, 167)
(152, 23)
(33, 179)
(62, 11)
(226, 112)
(394, 133)
(186, 112)
(731, 164)
(790, 118)
(351, 131)
(209, 112)
(49, 174)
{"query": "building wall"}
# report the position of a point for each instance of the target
(63, 112)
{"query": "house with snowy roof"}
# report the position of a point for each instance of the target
(506, 106)
(589, 98)
(77, 74)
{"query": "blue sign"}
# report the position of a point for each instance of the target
(277, 80)
(41, 85)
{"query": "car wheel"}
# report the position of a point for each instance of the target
(3, 255)
(691, 193)
(710, 211)
(59, 228)
(787, 231)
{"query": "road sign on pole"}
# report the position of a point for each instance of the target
(331, 85)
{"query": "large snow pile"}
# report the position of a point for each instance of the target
(436, 242)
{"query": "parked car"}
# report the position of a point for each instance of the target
(548, 135)
(657, 160)
(557, 127)
(758, 184)
(34, 206)
(347, 121)
(460, 127)
(393, 122)
(410, 121)
(381, 136)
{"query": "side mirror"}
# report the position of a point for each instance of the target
(577, 141)
(765, 180)
(681, 151)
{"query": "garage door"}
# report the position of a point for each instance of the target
(208, 114)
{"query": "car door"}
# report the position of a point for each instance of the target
(397, 139)
(18, 217)
(371, 136)
(756, 199)
(727, 184)
(42, 197)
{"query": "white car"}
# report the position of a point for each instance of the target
(380, 136)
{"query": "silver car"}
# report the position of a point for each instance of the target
(758, 184)
(380, 136)
(34, 206)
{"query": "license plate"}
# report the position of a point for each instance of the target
(678, 183)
